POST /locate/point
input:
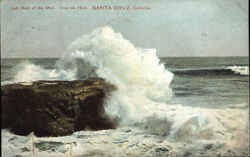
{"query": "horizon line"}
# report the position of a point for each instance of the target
(158, 56)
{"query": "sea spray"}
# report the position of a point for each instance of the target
(140, 77)
(27, 71)
(136, 72)
(143, 90)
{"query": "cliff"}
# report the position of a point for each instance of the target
(56, 108)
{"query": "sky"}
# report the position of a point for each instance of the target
(180, 28)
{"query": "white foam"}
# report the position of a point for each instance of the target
(136, 72)
(27, 71)
(6, 82)
(242, 70)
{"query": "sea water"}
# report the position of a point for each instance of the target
(190, 104)
(198, 81)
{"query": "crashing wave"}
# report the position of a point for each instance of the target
(143, 88)
(241, 70)
(136, 72)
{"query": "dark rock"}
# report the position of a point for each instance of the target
(56, 108)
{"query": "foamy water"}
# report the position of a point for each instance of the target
(143, 92)
(242, 70)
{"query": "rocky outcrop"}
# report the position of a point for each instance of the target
(56, 108)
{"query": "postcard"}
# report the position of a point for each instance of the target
(124, 78)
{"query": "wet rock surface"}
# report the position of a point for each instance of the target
(56, 108)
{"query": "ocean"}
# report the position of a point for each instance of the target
(198, 81)
(169, 106)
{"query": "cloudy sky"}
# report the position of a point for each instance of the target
(173, 27)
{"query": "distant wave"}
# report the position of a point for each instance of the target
(242, 70)
(232, 70)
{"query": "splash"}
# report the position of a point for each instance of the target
(27, 71)
(143, 89)
(136, 72)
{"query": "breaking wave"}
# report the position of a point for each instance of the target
(140, 77)
(143, 88)
(241, 70)
(232, 70)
